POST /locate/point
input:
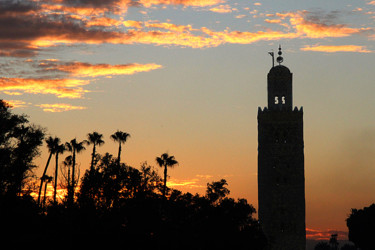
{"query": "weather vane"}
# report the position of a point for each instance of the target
(273, 58)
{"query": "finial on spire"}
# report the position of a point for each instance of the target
(280, 59)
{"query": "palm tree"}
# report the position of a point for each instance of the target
(96, 139)
(120, 137)
(68, 162)
(60, 148)
(166, 161)
(51, 145)
(74, 147)
(47, 180)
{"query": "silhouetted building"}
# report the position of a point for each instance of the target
(281, 181)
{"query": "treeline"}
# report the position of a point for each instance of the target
(116, 205)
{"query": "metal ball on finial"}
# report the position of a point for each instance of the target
(280, 59)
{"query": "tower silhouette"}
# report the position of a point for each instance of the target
(281, 181)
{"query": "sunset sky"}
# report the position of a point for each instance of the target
(187, 77)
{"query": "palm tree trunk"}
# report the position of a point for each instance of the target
(71, 196)
(93, 157)
(165, 180)
(119, 154)
(41, 179)
(56, 171)
(69, 184)
(45, 192)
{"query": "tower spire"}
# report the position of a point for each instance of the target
(279, 59)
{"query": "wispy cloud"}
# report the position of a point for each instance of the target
(317, 25)
(189, 184)
(17, 103)
(198, 182)
(222, 9)
(337, 48)
(69, 84)
(80, 69)
(61, 88)
(196, 3)
(325, 235)
(59, 107)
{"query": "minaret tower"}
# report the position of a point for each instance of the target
(281, 177)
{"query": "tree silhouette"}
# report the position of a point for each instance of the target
(216, 191)
(166, 161)
(47, 179)
(74, 147)
(361, 225)
(120, 137)
(105, 186)
(322, 246)
(51, 145)
(116, 203)
(348, 247)
(334, 244)
(95, 139)
(60, 149)
(67, 163)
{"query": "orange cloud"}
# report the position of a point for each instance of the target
(103, 21)
(89, 8)
(169, 26)
(337, 48)
(185, 39)
(240, 16)
(62, 88)
(324, 235)
(59, 107)
(222, 9)
(131, 23)
(317, 29)
(92, 70)
(189, 184)
(371, 3)
(67, 84)
(12, 93)
(16, 103)
(25, 35)
(272, 21)
(195, 3)
(247, 37)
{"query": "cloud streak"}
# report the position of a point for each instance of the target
(325, 235)
(61, 88)
(59, 107)
(80, 69)
(71, 86)
(337, 48)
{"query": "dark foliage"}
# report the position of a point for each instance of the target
(116, 206)
(348, 247)
(19, 144)
(322, 246)
(361, 225)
